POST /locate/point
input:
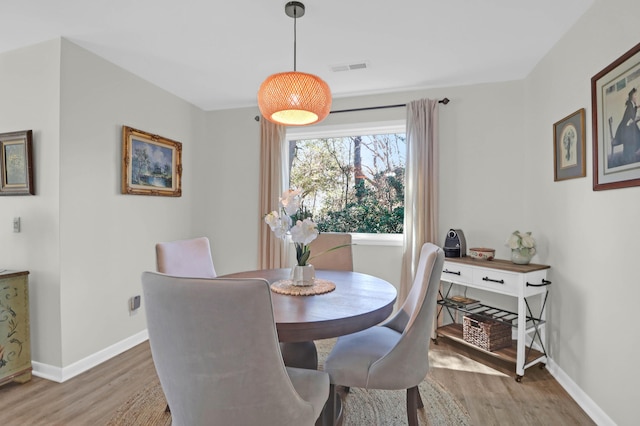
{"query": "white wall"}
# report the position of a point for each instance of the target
(107, 239)
(589, 237)
(226, 206)
(478, 126)
(29, 87)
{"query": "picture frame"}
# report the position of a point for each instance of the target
(151, 164)
(615, 119)
(16, 163)
(569, 147)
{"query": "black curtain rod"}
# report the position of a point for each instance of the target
(441, 101)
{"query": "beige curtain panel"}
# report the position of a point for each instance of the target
(273, 252)
(421, 187)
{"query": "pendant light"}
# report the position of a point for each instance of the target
(294, 98)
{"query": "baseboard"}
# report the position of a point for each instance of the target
(60, 375)
(581, 398)
(578, 395)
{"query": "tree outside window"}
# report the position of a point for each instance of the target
(351, 184)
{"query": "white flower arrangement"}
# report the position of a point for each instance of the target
(520, 241)
(302, 233)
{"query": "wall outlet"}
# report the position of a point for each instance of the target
(16, 224)
(134, 303)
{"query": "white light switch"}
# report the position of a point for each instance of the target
(16, 224)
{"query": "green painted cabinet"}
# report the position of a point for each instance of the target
(15, 346)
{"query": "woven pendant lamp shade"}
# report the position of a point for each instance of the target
(294, 99)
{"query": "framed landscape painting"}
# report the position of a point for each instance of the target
(568, 147)
(615, 119)
(151, 164)
(16, 165)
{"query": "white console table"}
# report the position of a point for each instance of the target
(503, 277)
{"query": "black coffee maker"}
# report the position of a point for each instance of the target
(455, 244)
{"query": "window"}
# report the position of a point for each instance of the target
(351, 181)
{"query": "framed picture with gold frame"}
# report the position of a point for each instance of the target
(569, 147)
(16, 165)
(151, 164)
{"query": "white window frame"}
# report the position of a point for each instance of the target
(338, 130)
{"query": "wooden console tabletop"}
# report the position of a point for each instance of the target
(502, 264)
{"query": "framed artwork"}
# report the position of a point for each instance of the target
(568, 147)
(17, 163)
(615, 117)
(151, 164)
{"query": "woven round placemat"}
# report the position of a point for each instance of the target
(287, 287)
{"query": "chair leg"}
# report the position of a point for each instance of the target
(412, 405)
(328, 416)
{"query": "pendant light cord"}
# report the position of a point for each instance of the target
(295, 20)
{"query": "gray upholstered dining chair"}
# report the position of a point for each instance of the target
(215, 347)
(394, 355)
(186, 258)
(340, 259)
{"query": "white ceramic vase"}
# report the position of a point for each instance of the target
(303, 275)
(522, 256)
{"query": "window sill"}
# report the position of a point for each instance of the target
(377, 239)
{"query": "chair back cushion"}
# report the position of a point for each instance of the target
(215, 347)
(340, 259)
(408, 362)
(186, 258)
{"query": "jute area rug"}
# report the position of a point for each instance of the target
(361, 407)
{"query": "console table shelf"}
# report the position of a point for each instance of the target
(454, 332)
(502, 277)
(496, 314)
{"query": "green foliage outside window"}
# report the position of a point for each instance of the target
(351, 184)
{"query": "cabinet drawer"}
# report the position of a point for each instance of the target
(457, 273)
(498, 281)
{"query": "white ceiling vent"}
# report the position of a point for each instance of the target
(351, 67)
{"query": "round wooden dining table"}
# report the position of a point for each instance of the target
(359, 301)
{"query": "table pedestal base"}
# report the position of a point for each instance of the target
(332, 412)
(300, 354)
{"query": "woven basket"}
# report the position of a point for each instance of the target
(487, 334)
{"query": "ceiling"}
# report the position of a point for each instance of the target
(214, 54)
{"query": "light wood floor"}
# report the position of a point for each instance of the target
(489, 392)
(488, 389)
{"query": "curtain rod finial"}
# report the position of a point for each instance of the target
(445, 101)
